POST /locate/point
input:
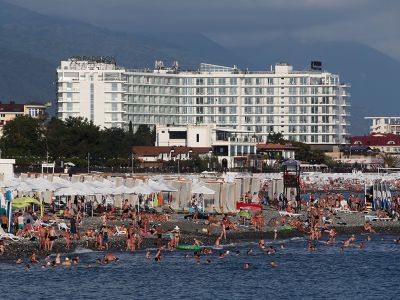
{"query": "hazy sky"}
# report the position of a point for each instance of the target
(236, 22)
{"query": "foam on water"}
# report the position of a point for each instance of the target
(81, 250)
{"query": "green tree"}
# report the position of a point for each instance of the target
(24, 137)
(275, 138)
(143, 136)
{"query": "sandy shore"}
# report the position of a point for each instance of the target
(354, 224)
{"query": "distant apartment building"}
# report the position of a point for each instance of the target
(385, 125)
(309, 106)
(92, 88)
(9, 111)
(227, 144)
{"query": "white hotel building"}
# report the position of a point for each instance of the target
(309, 106)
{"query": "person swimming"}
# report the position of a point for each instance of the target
(250, 252)
(274, 264)
(148, 254)
(237, 253)
(247, 266)
(271, 250)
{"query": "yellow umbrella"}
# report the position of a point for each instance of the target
(25, 202)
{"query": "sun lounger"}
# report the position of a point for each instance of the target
(9, 236)
(285, 213)
(375, 218)
(62, 226)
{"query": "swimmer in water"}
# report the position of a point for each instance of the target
(18, 261)
(33, 258)
(369, 238)
(237, 253)
(196, 255)
(311, 247)
(283, 246)
(217, 242)
(361, 245)
(250, 252)
(158, 255)
(261, 245)
(148, 254)
(274, 264)
(246, 266)
(397, 241)
(271, 250)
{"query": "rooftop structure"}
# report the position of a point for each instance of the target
(385, 125)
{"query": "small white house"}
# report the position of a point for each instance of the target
(7, 168)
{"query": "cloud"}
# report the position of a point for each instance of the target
(233, 22)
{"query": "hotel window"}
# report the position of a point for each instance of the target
(210, 91)
(314, 109)
(258, 109)
(303, 90)
(247, 110)
(221, 119)
(270, 119)
(199, 81)
(292, 119)
(222, 110)
(233, 91)
(270, 81)
(233, 119)
(247, 91)
(292, 80)
(258, 81)
(270, 109)
(270, 91)
(258, 91)
(258, 100)
(270, 100)
(292, 109)
(303, 119)
(221, 91)
(247, 81)
(247, 100)
(247, 120)
(303, 109)
(233, 109)
(314, 119)
(210, 81)
(292, 100)
(221, 81)
(292, 91)
(233, 81)
(292, 128)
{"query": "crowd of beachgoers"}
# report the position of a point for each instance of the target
(317, 218)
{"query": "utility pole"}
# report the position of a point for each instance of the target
(132, 163)
(88, 163)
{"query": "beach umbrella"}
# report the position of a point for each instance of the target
(69, 191)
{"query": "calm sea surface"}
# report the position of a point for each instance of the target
(370, 273)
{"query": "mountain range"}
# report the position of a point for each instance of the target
(32, 45)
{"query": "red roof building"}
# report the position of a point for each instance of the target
(387, 143)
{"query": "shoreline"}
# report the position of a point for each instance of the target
(24, 249)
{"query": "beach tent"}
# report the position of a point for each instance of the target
(201, 189)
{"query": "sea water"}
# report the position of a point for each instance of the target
(328, 273)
